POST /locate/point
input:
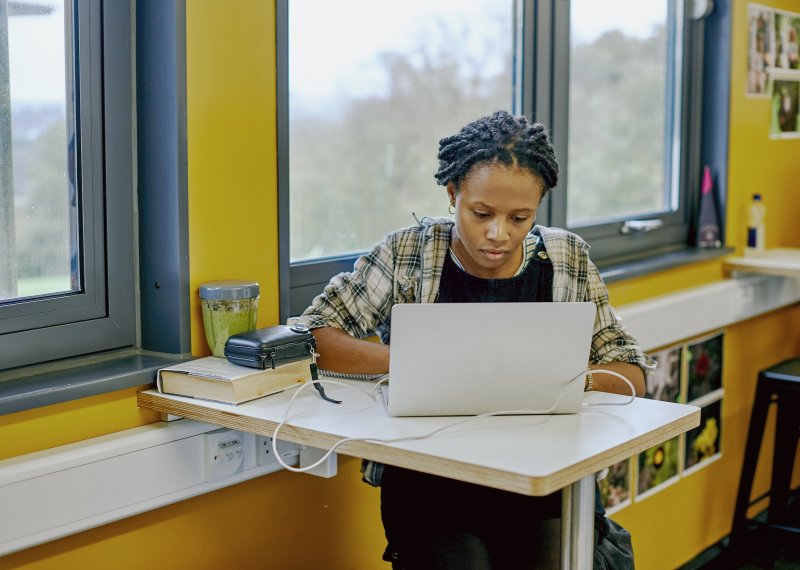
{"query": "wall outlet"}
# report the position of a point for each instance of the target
(289, 452)
(224, 453)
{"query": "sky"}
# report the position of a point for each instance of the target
(336, 59)
(590, 18)
(37, 52)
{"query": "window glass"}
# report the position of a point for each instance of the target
(368, 88)
(373, 86)
(38, 193)
(622, 110)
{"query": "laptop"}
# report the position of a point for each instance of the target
(457, 359)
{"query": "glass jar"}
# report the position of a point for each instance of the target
(229, 307)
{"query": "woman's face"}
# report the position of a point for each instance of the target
(495, 209)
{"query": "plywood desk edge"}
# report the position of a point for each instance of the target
(454, 469)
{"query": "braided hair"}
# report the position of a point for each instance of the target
(498, 138)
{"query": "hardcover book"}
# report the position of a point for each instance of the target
(214, 378)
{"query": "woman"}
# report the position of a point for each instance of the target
(496, 171)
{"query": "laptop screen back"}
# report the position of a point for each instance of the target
(474, 358)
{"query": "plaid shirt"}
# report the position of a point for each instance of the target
(406, 267)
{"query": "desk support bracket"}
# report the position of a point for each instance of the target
(577, 526)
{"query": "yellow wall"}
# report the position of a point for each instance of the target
(232, 149)
(287, 520)
(758, 164)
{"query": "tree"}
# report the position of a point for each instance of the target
(42, 213)
(361, 172)
(616, 126)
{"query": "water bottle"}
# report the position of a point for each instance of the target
(755, 226)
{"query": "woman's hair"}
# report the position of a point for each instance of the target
(498, 138)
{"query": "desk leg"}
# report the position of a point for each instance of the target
(577, 524)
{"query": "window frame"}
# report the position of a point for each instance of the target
(299, 282)
(148, 163)
(544, 89)
(610, 245)
(101, 316)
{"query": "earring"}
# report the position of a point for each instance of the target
(451, 208)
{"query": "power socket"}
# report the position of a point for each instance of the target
(224, 453)
(289, 452)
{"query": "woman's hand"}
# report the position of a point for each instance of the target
(340, 352)
(609, 383)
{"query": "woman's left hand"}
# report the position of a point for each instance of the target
(603, 382)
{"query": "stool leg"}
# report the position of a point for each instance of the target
(754, 435)
(783, 457)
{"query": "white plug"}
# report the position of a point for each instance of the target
(310, 455)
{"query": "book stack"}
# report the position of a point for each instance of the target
(216, 379)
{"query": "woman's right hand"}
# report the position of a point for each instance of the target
(340, 352)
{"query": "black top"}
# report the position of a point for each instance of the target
(534, 284)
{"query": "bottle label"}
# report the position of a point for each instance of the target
(752, 237)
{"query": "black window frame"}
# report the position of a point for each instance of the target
(544, 88)
(142, 49)
(612, 241)
(100, 316)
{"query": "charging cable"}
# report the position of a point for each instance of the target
(285, 419)
(372, 396)
(621, 377)
(440, 429)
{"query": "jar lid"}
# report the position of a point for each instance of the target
(229, 289)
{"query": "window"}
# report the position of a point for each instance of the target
(365, 93)
(627, 164)
(367, 111)
(96, 289)
(66, 180)
(623, 111)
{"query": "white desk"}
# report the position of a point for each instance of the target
(532, 455)
(777, 261)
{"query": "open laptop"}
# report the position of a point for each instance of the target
(453, 359)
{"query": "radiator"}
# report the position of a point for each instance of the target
(71, 488)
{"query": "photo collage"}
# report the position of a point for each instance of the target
(687, 373)
(773, 66)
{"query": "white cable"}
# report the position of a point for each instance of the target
(390, 440)
(378, 384)
(426, 435)
(621, 377)
(286, 419)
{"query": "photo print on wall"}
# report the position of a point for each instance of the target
(704, 360)
(787, 40)
(703, 442)
(658, 466)
(773, 67)
(615, 488)
(760, 49)
(665, 382)
(704, 368)
(687, 373)
(785, 107)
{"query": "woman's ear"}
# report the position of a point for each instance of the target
(451, 192)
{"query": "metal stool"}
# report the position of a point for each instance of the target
(779, 384)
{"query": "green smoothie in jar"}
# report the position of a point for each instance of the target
(229, 307)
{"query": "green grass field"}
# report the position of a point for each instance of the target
(46, 285)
